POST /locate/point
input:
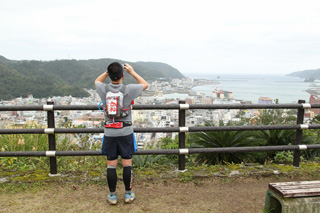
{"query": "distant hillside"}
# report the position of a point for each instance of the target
(307, 74)
(167, 70)
(3, 58)
(66, 77)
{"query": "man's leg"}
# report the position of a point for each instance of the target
(127, 179)
(112, 180)
(127, 173)
(112, 174)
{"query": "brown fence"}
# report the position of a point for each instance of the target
(181, 129)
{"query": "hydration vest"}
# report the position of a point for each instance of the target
(114, 103)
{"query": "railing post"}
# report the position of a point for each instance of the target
(300, 118)
(182, 137)
(52, 140)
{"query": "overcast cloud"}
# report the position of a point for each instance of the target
(214, 36)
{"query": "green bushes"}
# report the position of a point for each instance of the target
(39, 142)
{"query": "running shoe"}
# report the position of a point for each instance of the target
(129, 197)
(112, 199)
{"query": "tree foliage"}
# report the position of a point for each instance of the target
(276, 116)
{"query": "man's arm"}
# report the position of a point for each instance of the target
(138, 78)
(101, 78)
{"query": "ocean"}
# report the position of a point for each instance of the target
(286, 89)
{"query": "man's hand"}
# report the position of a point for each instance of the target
(128, 68)
(138, 78)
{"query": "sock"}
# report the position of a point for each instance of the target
(127, 178)
(112, 178)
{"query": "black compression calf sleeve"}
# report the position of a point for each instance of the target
(127, 177)
(112, 178)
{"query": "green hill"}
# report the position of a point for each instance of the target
(3, 59)
(167, 70)
(66, 77)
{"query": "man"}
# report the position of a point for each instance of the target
(118, 134)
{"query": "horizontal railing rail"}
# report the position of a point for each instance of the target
(163, 106)
(161, 129)
(163, 151)
(181, 129)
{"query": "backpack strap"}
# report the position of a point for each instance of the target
(122, 90)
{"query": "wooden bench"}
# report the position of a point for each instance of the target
(300, 197)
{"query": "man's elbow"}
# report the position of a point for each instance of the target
(145, 86)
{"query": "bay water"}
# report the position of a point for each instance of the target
(286, 89)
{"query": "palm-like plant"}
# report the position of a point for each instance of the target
(276, 138)
(224, 139)
(141, 161)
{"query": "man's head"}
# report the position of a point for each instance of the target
(115, 71)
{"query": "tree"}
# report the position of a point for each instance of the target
(277, 117)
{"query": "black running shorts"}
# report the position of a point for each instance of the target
(115, 146)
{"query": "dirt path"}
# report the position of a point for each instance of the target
(241, 194)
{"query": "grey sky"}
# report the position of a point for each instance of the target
(213, 36)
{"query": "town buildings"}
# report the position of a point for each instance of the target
(159, 92)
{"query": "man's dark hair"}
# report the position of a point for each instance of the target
(115, 71)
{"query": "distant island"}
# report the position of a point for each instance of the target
(308, 75)
(67, 77)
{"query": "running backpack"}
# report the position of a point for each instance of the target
(114, 104)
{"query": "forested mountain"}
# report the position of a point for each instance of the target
(66, 77)
(307, 74)
(167, 70)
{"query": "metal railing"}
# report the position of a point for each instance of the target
(182, 129)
